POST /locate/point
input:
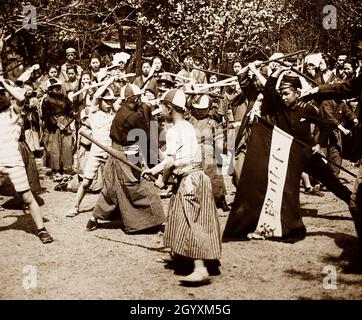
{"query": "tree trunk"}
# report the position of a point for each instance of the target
(139, 45)
(121, 38)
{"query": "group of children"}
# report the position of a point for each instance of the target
(198, 118)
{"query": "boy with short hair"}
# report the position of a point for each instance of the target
(295, 117)
(100, 118)
(192, 230)
(70, 54)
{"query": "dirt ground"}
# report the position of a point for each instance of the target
(108, 264)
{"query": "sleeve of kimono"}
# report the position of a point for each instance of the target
(328, 107)
(243, 80)
(245, 84)
(171, 142)
(324, 128)
(272, 101)
(137, 122)
(348, 89)
(46, 115)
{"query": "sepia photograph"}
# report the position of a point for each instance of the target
(181, 155)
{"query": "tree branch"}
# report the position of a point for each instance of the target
(55, 26)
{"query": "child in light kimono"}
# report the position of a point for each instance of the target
(192, 229)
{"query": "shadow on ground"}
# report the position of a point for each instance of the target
(24, 222)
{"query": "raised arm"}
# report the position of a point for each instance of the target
(272, 101)
(98, 94)
(16, 92)
(253, 68)
(345, 90)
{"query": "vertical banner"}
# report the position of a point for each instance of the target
(270, 216)
(266, 203)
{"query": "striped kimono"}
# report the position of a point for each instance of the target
(192, 229)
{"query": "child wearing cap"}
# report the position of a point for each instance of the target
(100, 119)
(134, 201)
(83, 144)
(295, 117)
(117, 69)
(11, 162)
(210, 139)
(70, 54)
(57, 115)
(192, 230)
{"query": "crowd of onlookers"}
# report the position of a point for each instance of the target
(58, 99)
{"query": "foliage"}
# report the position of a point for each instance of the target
(306, 30)
(61, 23)
(179, 25)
